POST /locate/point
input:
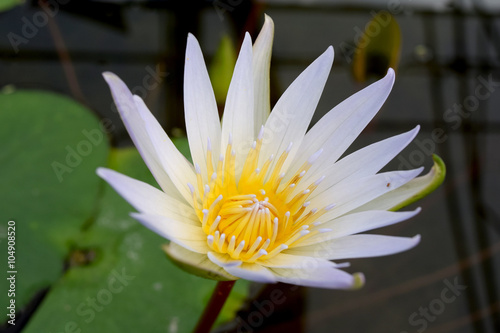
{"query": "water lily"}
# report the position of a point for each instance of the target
(265, 199)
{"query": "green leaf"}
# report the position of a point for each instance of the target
(8, 4)
(151, 295)
(221, 68)
(379, 47)
(50, 147)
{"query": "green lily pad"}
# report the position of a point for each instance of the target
(221, 68)
(49, 149)
(8, 4)
(129, 286)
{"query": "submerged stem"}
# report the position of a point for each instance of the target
(214, 306)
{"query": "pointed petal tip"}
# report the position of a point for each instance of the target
(413, 213)
(329, 53)
(247, 41)
(391, 75)
(268, 19)
(412, 133)
(387, 81)
(411, 243)
(108, 74)
(138, 98)
(404, 176)
(268, 24)
(191, 39)
(101, 172)
(267, 31)
(108, 174)
(324, 61)
(192, 47)
(111, 77)
(114, 82)
(412, 173)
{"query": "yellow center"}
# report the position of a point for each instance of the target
(258, 216)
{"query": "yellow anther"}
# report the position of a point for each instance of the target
(255, 217)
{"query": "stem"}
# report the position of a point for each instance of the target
(62, 52)
(214, 306)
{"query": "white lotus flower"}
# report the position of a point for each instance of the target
(266, 200)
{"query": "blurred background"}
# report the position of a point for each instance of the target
(447, 59)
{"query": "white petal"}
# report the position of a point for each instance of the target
(319, 277)
(252, 272)
(137, 131)
(174, 163)
(401, 194)
(363, 162)
(202, 117)
(186, 235)
(350, 195)
(238, 118)
(292, 113)
(357, 246)
(338, 128)
(291, 261)
(357, 222)
(261, 63)
(148, 199)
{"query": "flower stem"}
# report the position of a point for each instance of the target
(214, 306)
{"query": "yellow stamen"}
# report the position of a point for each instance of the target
(254, 217)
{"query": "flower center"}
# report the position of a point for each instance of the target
(247, 219)
(245, 227)
(257, 216)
